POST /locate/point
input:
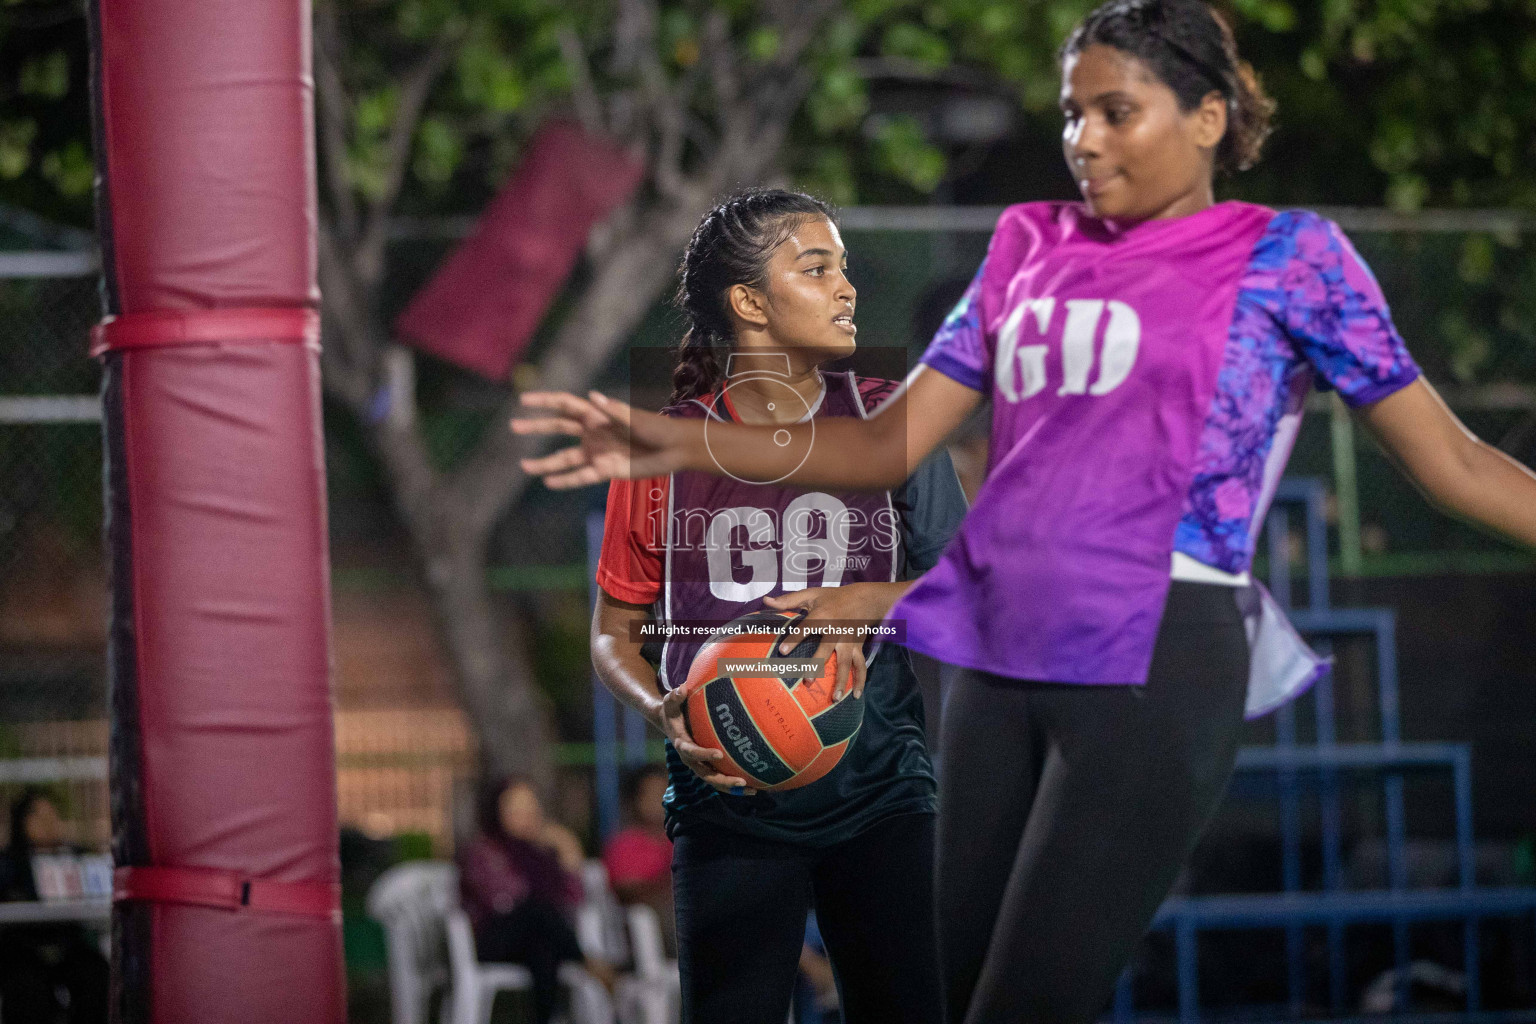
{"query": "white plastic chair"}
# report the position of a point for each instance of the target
(590, 1002)
(654, 994)
(475, 984)
(418, 905)
(650, 993)
(411, 901)
(601, 927)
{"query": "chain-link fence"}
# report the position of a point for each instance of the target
(401, 769)
(1462, 286)
(52, 585)
(52, 573)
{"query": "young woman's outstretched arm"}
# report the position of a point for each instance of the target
(1459, 474)
(619, 442)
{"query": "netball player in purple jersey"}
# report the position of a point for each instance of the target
(1146, 352)
(768, 303)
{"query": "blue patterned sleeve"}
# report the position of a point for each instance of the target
(1335, 314)
(959, 349)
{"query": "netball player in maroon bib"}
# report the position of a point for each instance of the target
(1146, 353)
(765, 289)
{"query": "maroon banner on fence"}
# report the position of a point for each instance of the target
(483, 306)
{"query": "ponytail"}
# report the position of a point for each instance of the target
(698, 370)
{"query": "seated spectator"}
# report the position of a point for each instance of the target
(639, 856)
(49, 973)
(520, 885)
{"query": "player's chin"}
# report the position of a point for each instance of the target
(1111, 200)
(1106, 208)
(835, 344)
(1120, 203)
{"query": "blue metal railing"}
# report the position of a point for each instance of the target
(611, 721)
(1321, 768)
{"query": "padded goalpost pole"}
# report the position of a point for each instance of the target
(222, 746)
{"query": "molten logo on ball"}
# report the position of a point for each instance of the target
(740, 740)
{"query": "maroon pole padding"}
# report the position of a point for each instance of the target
(482, 307)
(223, 769)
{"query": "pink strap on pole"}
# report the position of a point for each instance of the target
(162, 328)
(225, 890)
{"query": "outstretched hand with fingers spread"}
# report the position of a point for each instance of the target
(617, 442)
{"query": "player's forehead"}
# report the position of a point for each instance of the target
(811, 238)
(1099, 72)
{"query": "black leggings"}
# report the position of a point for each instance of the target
(1066, 812)
(741, 906)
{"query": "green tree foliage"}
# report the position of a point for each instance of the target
(1410, 103)
(45, 151)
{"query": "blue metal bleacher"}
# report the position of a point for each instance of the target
(1321, 768)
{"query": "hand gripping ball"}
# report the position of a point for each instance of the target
(777, 731)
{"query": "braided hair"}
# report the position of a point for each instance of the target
(1192, 51)
(732, 245)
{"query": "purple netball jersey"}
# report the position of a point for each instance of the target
(1146, 384)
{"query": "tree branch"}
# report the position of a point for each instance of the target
(799, 23)
(776, 108)
(669, 109)
(634, 60)
(721, 58)
(333, 119)
(753, 128)
(417, 483)
(667, 167)
(344, 355)
(416, 87)
(589, 108)
(634, 34)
